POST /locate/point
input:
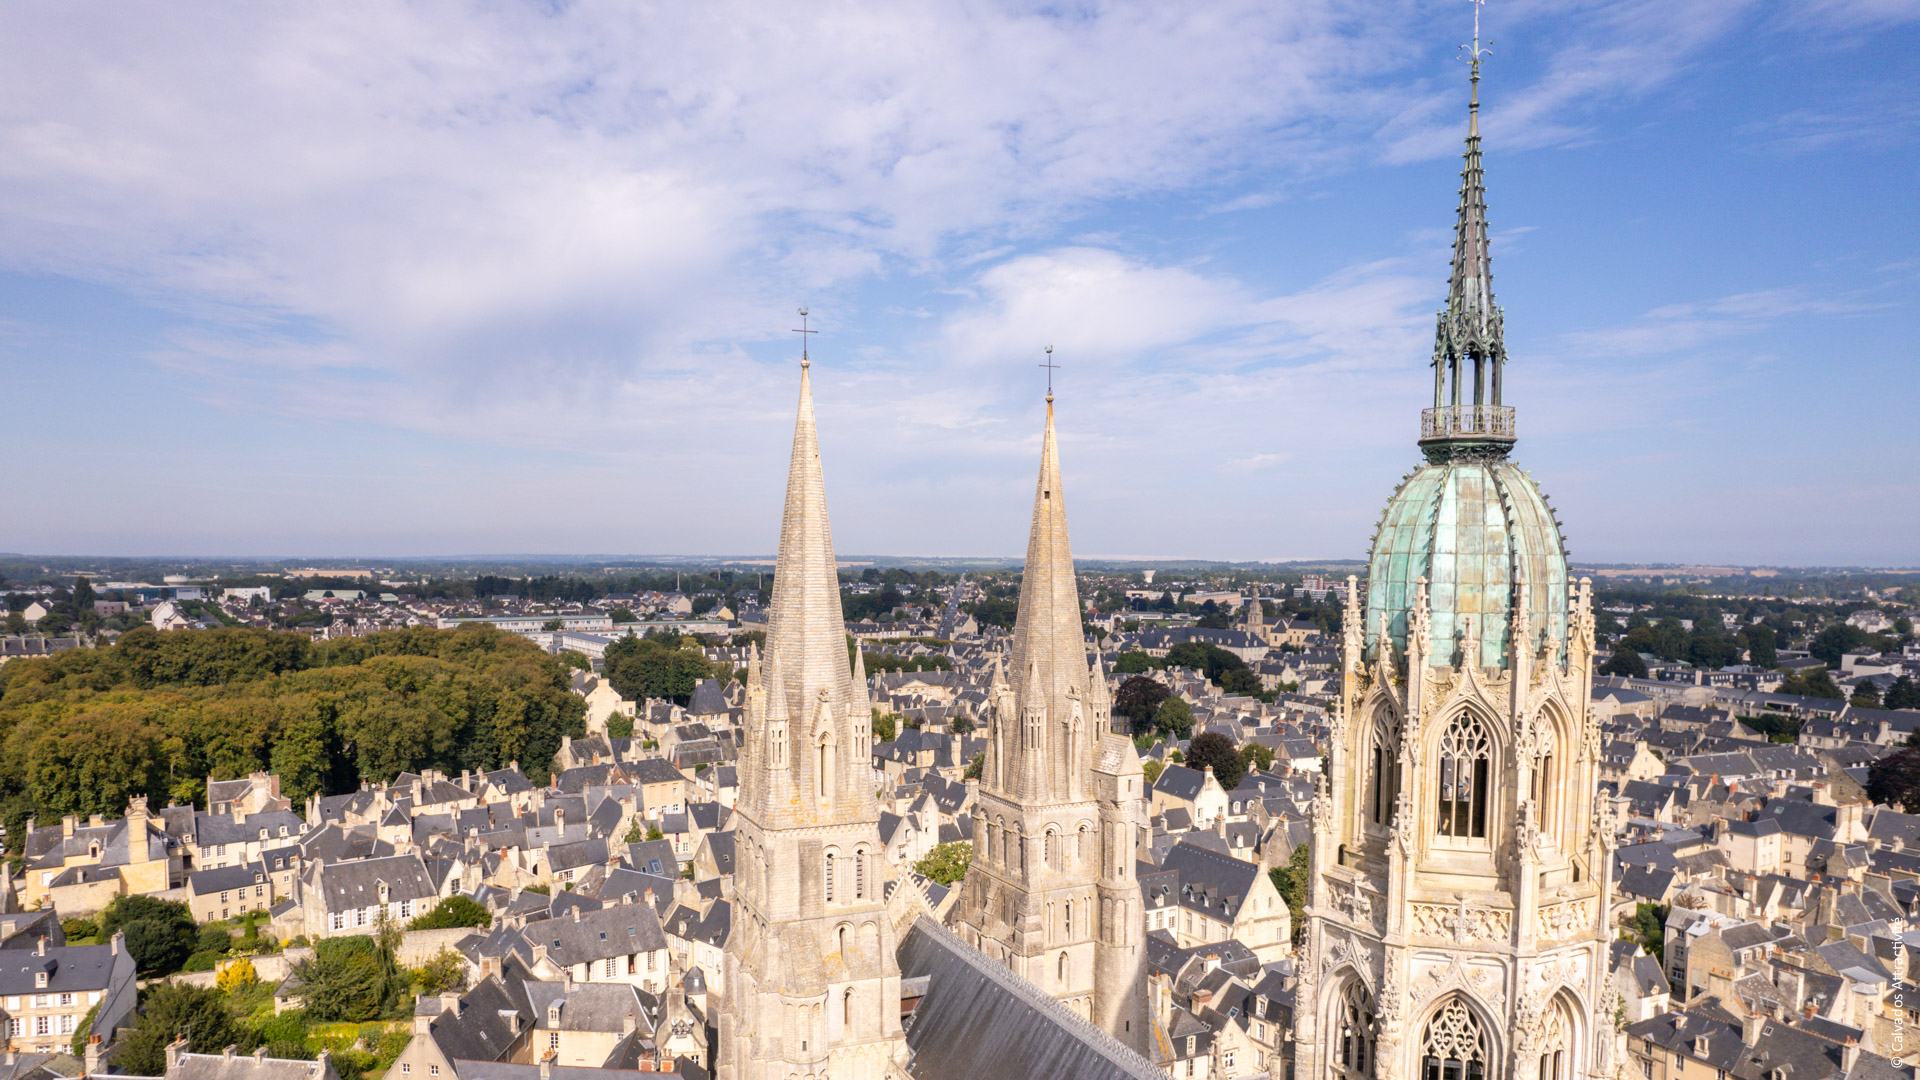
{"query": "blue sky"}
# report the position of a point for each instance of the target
(471, 278)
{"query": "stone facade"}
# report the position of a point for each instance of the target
(812, 978)
(1051, 891)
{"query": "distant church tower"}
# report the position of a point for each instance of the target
(1461, 861)
(1051, 891)
(813, 986)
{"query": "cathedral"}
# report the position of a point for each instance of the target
(1460, 866)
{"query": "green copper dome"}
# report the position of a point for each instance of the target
(1472, 528)
(1469, 521)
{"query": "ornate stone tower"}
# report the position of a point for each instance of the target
(1461, 862)
(1051, 891)
(813, 987)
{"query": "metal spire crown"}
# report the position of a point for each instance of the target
(1469, 348)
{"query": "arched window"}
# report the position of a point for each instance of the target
(829, 877)
(826, 765)
(1384, 779)
(860, 873)
(1453, 1046)
(1555, 1041)
(1466, 761)
(846, 1009)
(1062, 973)
(1083, 850)
(1067, 916)
(1053, 850)
(1355, 1038)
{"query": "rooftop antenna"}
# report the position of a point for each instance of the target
(1051, 368)
(803, 332)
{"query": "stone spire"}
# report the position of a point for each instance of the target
(813, 984)
(806, 632)
(1049, 665)
(1469, 329)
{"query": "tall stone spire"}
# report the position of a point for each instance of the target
(1051, 891)
(813, 985)
(806, 631)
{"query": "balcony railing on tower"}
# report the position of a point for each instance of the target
(1491, 422)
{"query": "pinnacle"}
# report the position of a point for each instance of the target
(1049, 646)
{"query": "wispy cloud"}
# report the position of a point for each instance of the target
(1679, 327)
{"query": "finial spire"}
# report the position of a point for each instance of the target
(1051, 368)
(1469, 350)
(805, 361)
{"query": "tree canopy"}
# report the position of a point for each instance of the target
(666, 667)
(455, 910)
(157, 714)
(946, 863)
(1212, 749)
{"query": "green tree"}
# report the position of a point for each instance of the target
(1817, 683)
(962, 725)
(1903, 694)
(624, 615)
(1762, 646)
(946, 863)
(1211, 749)
(1835, 641)
(1132, 662)
(551, 625)
(1174, 717)
(352, 978)
(886, 726)
(1625, 661)
(1139, 698)
(445, 971)
(455, 910)
(1895, 780)
(1649, 928)
(1256, 757)
(1866, 695)
(1291, 882)
(1151, 769)
(169, 1010)
(666, 667)
(976, 766)
(161, 934)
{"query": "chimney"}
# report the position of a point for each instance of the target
(451, 1003)
(66, 826)
(174, 1049)
(119, 936)
(93, 1055)
(41, 947)
(1753, 1027)
(546, 1064)
(626, 1025)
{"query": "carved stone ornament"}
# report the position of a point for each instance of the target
(1403, 824)
(1389, 996)
(1527, 840)
(1475, 979)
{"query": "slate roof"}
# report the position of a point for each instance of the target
(979, 1020)
(616, 930)
(1210, 882)
(346, 885)
(69, 968)
(204, 882)
(248, 1067)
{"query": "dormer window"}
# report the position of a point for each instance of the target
(553, 1015)
(40, 980)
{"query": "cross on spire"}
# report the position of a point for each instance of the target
(1475, 54)
(805, 362)
(1051, 368)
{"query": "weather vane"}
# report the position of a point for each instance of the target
(1051, 368)
(803, 332)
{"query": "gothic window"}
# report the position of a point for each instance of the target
(829, 877)
(1355, 1039)
(1554, 1042)
(1053, 850)
(1466, 761)
(1062, 973)
(860, 873)
(1453, 1046)
(1083, 850)
(1385, 776)
(1544, 782)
